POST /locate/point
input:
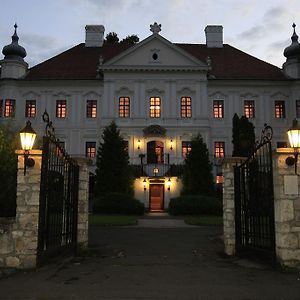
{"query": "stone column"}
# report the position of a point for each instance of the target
(228, 203)
(287, 209)
(83, 204)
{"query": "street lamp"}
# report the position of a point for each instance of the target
(169, 184)
(27, 136)
(294, 139)
(145, 184)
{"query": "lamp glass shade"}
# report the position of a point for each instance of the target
(294, 135)
(27, 136)
(169, 183)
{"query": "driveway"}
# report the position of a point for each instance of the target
(153, 263)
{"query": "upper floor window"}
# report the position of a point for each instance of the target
(30, 109)
(90, 149)
(249, 109)
(279, 109)
(9, 108)
(61, 108)
(91, 108)
(297, 108)
(186, 107)
(219, 149)
(218, 109)
(124, 107)
(186, 148)
(155, 107)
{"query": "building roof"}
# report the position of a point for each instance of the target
(81, 62)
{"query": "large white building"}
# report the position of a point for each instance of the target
(159, 93)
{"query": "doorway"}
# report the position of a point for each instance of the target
(155, 152)
(156, 197)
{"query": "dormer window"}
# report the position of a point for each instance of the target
(155, 56)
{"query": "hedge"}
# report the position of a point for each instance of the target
(116, 203)
(195, 204)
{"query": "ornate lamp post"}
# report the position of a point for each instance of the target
(294, 139)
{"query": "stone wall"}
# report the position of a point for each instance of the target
(19, 235)
(287, 210)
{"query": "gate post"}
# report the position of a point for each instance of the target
(228, 203)
(83, 204)
(287, 209)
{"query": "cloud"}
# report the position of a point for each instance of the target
(40, 41)
(255, 32)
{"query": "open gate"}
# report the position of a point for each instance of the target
(254, 202)
(58, 199)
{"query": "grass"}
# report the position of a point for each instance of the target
(207, 220)
(112, 220)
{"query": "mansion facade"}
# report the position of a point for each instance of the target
(160, 94)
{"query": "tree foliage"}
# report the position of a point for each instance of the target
(112, 39)
(8, 171)
(113, 173)
(197, 174)
(243, 136)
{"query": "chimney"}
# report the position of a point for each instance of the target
(94, 35)
(214, 36)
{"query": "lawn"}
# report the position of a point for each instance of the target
(112, 220)
(204, 220)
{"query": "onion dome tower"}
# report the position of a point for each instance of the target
(291, 67)
(13, 64)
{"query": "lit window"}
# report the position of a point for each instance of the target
(218, 109)
(249, 109)
(186, 107)
(297, 108)
(124, 107)
(219, 179)
(279, 109)
(9, 108)
(61, 108)
(91, 108)
(281, 145)
(154, 107)
(30, 109)
(186, 148)
(90, 149)
(219, 149)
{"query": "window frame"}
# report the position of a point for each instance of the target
(155, 107)
(186, 107)
(279, 109)
(91, 109)
(249, 109)
(219, 149)
(218, 109)
(1, 108)
(186, 147)
(88, 149)
(61, 109)
(124, 107)
(30, 109)
(10, 112)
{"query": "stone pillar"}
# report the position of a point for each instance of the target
(287, 209)
(83, 204)
(228, 203)
(25, 228)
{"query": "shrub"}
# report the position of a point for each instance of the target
(117, 203)
(195, 204)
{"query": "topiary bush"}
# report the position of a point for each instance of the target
(117, 203)
(195, 204)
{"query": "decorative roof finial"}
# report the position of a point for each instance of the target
(155, 28)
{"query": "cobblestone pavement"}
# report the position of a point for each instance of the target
(153, 263)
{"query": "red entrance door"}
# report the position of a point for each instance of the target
(156, 197)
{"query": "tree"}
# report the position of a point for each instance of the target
(197, 174)
(112, 38)
(113, 173)
(8, 171)
(131, 39)
(243, 136)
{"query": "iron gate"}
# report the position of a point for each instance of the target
(254, 202)
(58, 198)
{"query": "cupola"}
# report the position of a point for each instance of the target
(291, 67)
(14, 50)
(13, 65)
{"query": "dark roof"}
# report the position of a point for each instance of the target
(81, 62)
